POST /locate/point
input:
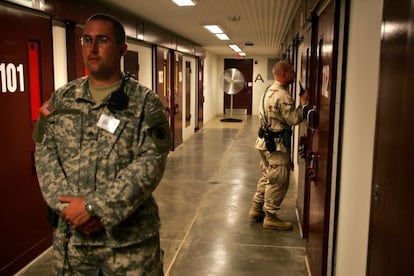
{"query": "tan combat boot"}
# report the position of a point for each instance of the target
(256, 213)
(271, 221)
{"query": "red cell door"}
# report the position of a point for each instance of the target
(26, 78)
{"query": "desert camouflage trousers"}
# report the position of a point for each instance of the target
(145, 258)
(274, 183)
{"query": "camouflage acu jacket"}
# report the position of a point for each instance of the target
(116, 172)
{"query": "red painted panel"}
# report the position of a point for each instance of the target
(34, 77)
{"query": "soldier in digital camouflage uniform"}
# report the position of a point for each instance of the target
(277, 114)
(101, 148)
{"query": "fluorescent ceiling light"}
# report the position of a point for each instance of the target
(242, 54)
(214, 29)
(235, 48)
(223, 36)
(182, 3)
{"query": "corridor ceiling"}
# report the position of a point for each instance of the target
(263, 23)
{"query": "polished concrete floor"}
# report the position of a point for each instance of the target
(204, 199)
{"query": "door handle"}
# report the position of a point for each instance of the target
(313, 159)
(312, 119)
(176, 109)
(302, 147)
(313, 166)
(376, 192)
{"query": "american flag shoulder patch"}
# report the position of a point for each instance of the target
(47, 108)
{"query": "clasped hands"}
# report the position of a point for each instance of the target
(77, 216)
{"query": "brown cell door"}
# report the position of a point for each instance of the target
(131, 63)
(243, 99)
(302, 201)
(200, 96)
(187, 81)
(75, 66)
(320, 133)
(391, 224)
(163, 84)
(26, 70)
(177, 99)
(162, 76)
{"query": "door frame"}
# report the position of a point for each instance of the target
(189, 76)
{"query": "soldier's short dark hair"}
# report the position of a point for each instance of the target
(118, 27)
(281, 67)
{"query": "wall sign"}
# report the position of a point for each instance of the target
(325, 81)
(11, 77)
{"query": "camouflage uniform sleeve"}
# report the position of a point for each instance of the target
(290, 114)
(52, 180)
(135, 184)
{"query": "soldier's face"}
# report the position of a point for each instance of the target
(100, 50)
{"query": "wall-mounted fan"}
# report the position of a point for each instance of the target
(232, 82)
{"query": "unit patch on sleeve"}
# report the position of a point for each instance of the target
(159, 130)
(47, 108)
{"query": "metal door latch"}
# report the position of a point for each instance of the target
(376, 192)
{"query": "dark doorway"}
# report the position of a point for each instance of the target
(200, 95)
(165, 79)
(242, 101)
(187, 81)
(177, 100)
(131, 63)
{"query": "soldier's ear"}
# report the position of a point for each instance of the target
(123, 50)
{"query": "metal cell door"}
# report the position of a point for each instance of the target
(390, 237)
(200, 94)
(320, 135)
(164, 82)
(177, 100)
(302, 201)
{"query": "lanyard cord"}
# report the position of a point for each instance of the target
(265, 123)
(66, 262)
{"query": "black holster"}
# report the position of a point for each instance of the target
(270, 136)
